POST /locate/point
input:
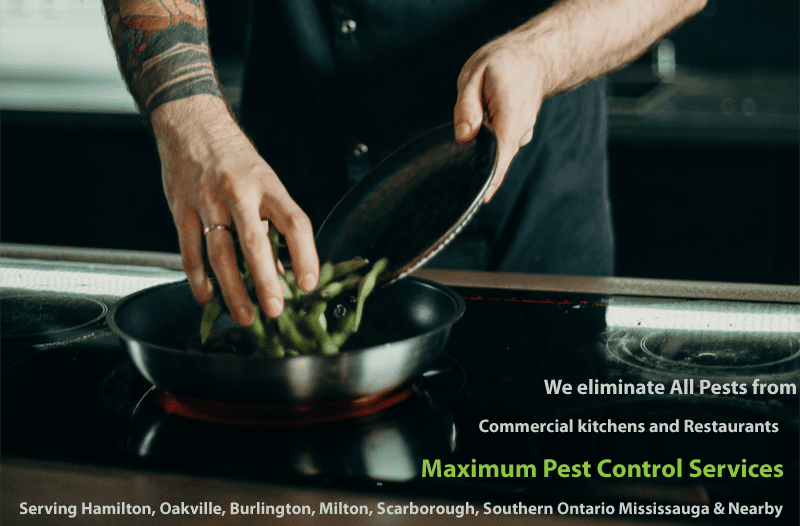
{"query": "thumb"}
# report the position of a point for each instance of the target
(468, 112)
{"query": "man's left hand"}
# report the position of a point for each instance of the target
(565, 46)
(503, 80)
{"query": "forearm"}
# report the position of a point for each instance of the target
(163, 52)
(577, 41)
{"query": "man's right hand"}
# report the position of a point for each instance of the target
(213, 176)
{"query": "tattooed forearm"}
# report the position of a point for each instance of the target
(162, 46)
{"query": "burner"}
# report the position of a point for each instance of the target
(280, 414)
(32, 318)
(713, 349)
(437, 386)
(386, 445)
(706, 353)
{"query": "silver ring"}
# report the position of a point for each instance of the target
(215, 226)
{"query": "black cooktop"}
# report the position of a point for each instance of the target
(70, 393)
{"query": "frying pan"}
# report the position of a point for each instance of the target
(406, 209)
(411, 205)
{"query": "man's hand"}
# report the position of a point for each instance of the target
(503, 78)
(573, 42)
(213, 175)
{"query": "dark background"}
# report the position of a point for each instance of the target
(697, 193)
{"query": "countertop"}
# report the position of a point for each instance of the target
(168, 266)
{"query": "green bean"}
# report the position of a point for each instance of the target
(337, 287)
(211, 312)
(287, 344)
(346, 267)
(317, 313)
(288, 294)
(257, 327)
(302, 328)
(274, 347)
(330, 290)
(365, 288)
(297, 292)
(327, 346)
(325, 274)
(346, 329)
(314, 320)
(317, 324)
(287, 323)
(339, 338)
(351, 281)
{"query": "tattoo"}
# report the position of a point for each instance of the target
(162, 47)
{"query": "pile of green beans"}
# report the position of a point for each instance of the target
(303, 327)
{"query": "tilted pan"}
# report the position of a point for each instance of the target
(411, 205)
(406, 209)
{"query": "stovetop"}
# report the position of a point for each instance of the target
(674, 382)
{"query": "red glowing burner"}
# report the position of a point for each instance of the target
(280, 414)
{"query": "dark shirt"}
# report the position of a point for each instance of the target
(332, 88)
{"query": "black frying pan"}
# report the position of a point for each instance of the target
(413, 203)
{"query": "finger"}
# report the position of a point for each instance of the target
(296, 228)
(191, 247)
(257, 251)
(468, 112)
(223, 260)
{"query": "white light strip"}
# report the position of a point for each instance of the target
(88, 283)
(722, 318)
